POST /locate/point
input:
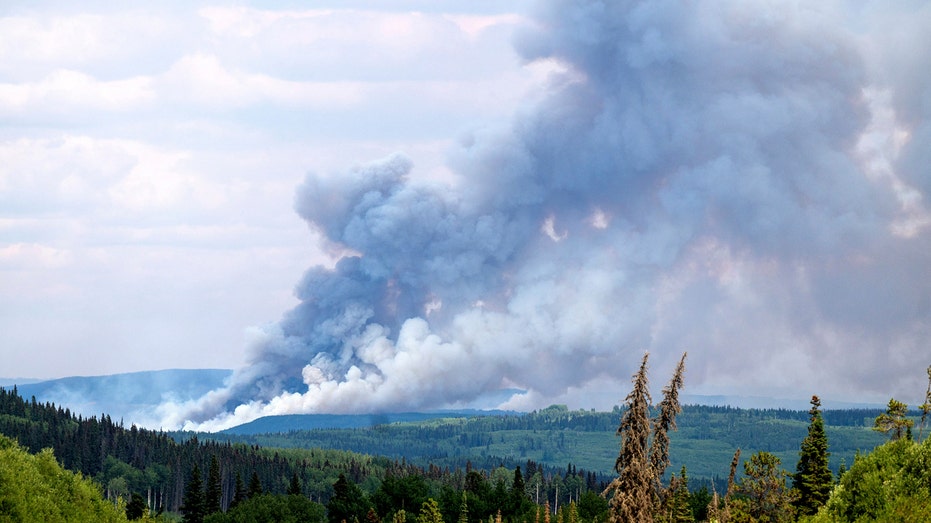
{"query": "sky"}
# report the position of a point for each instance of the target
(390, 206)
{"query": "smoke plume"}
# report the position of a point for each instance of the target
(741, 180)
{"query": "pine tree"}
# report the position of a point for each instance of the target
(762, 494)
(214, 493)
(813, 478)
(893, 421)
(193, 504)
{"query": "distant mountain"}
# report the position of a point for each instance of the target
(124, 396)
(292, 422)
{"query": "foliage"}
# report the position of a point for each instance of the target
(348, 502)
(925, 407)
(762, 495)
(813, 479)
(891, 483)
(894, 421)
(194, 507)
(35, 488)
(272, 507)
(430, 512)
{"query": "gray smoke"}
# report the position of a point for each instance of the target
(740, 180)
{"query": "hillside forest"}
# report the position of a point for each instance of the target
(639, 462)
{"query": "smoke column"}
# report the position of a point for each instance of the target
(742, 180)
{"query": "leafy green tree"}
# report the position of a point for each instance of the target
(762, 494)
(214, 490)
(194, 504)
(268, 507)
(400, 493)
(891, 483)
(36, 489)
(893, 421)
(592, 507)
(813, 479)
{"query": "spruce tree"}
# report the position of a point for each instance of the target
(665, 421)
(255, 485)
(813, 478)
(214, 493)
(294, 489)
(632, 501)
(239, 491)
(638, 489)
(193, 502)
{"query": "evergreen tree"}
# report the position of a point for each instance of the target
(239, 491)
(255, 485)
(893, 421)
(194, 503)
(214, 490)
(669, 408)
(762, 494)
(640, 464)
(632, 500)
(677, 507)
(294, 488)
(348, 502)
(813, 479)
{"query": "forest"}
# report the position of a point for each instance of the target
(554, 463)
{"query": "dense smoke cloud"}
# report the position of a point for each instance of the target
(740, 180)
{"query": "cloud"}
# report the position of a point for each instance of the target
(697, 180)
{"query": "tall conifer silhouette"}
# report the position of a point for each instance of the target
(640, 463)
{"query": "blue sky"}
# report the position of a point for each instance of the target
(403, 205)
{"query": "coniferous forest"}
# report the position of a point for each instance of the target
(640, 462)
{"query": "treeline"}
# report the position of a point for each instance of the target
(156, 468)
(705, 440)
(135, 460)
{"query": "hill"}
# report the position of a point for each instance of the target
(556, 437)
(302, 422)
